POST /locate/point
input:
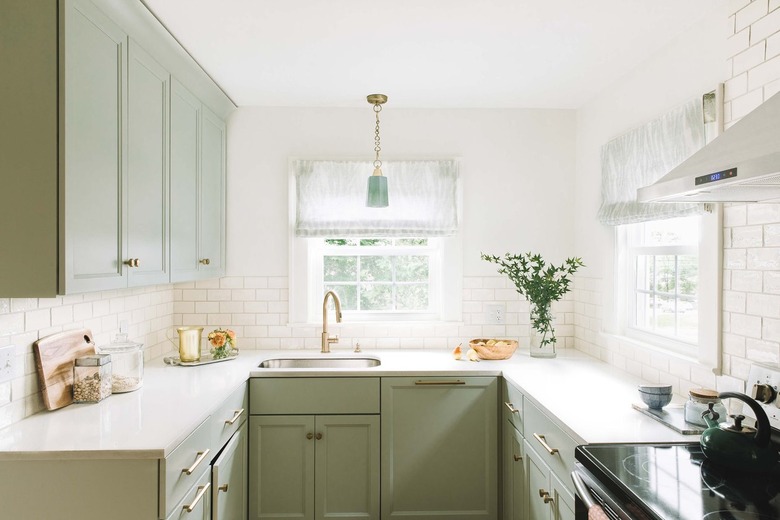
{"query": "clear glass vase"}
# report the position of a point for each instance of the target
(542, 331)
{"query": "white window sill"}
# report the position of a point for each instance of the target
(654, 348)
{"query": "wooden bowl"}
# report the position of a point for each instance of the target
(494, 348)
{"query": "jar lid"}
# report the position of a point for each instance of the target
(120, 344)
(94, 360)
(703, 393)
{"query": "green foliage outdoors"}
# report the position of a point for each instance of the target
(541, 284)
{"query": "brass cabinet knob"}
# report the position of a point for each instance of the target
(133, 262)
(310, 436)
(517, 458)
(546, 496)
(205, 261)
(319, 436)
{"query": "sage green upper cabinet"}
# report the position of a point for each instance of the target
(95, 150)
(85, 149)
(439, 448)
(197, 188)
(147, 191)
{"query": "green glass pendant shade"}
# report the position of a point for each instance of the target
(377, 192)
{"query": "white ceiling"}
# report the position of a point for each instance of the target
(423, 53)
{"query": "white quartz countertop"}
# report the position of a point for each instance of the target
(589, 399)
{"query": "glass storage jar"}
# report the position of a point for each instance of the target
(91, 378)
(127, 360)
(698, 402)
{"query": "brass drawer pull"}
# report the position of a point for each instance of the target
(543, 442)
(456, 382)
(236, 415)
(201, 457)
(546, 496)
(512, 408)
(201, 491)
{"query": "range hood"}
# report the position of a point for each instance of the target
(740, 165)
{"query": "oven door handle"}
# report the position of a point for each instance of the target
(582, 491)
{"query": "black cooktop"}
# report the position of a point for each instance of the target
(675, 481)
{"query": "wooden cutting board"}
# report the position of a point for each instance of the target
(54, 357)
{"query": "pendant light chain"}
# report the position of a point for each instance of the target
(377, 148)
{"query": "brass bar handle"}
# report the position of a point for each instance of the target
(205, 261)
(546, 496)
(517, 458)
(236, 415)
(456, 382)
(310, 436)
(201, 457)
(318, 436)
(543, 442)
(512, 408)
(201, 491)
(223, 487)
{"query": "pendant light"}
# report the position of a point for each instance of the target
(377, 183)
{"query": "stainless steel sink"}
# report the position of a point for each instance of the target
(322, 362)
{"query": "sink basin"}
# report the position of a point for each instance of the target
(321, 362)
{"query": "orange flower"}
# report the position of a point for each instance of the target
(231, 335)
(218, 340)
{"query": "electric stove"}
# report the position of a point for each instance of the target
(672, 481)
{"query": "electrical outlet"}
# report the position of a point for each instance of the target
(495, 313)
(765, 380)
(123, 327)
(7, 363)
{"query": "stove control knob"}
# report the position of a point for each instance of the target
(763, 393)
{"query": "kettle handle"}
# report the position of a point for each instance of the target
(762, 421)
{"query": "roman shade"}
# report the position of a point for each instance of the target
(330, 198)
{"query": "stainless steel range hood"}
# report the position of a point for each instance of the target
(740, 165)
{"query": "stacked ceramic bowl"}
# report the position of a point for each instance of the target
(655, 396)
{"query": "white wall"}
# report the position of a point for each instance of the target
(738, 43)
(517, 168)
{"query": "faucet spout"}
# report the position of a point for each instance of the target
(326, 339)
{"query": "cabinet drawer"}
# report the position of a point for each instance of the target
(193, 455)
(512, 405)
(317, 395)
(228, 418)
(540, 429)
(196, 504)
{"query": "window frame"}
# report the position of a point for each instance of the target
(707, 350)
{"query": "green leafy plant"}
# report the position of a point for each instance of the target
(541, 284)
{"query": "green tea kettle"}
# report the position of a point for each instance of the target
(736, 446)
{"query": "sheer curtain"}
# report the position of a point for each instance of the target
(643, 155)
(331, 199)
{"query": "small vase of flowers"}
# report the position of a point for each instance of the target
(223, 343)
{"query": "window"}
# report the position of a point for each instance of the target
(664, 262)
(396, 264)
(669, 284)
(381, 278)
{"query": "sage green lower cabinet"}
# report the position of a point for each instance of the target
(549, 498)
(229, 479)
(439, 448)
(314, 467)
(515, 487)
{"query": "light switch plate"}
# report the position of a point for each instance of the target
(7, 363)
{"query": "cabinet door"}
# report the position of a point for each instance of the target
(212, 196)
(229, 479)
(519, 490)
(185, 158)
(281, 467)
(538, 476)
(347, 467)
(563, 508)
(94, 142)
(197, 502)
(439, 448)
(147, 179)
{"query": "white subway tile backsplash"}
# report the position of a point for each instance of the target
(735, 258)
(764, 73)
(745, 104)
(767, 305)
(748, 59)
(735, 215)
(746, 325)
(747, 236)
(748, 281)
(735, 87)
(763, 258)
(763, 213)
(765, 27)
(751, 13)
